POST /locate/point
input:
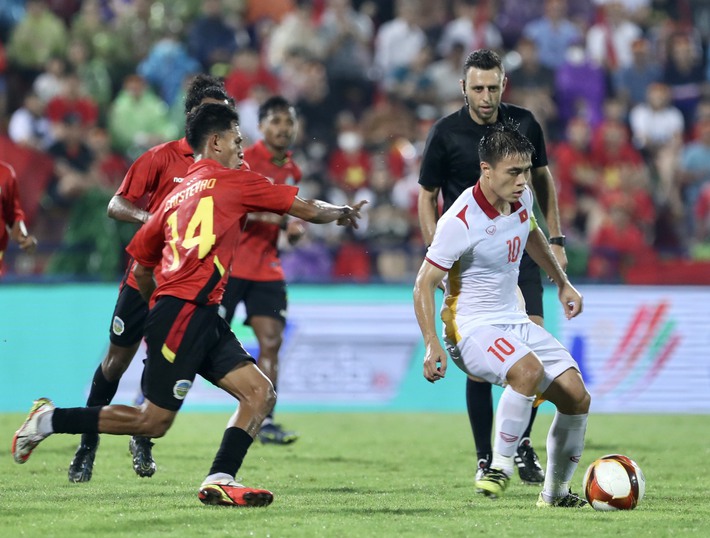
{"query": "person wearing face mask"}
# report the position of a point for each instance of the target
(349, 165)
(258, 280)
(450, 164)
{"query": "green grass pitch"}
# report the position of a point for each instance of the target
(352, 474)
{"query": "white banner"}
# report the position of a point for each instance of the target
(643, 349)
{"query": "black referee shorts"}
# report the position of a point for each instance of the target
(530, 283)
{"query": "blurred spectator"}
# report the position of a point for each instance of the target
(48, 83)
(72, 99)
(349, 165)
(11, 12)
(258, 11)
(657, 129)
(579, 181)
(39, 36)
(109, 167)
(446, 75)
(580, 87)
(346, 36)
(609, 41)
(701, 237)
(412, 83)
(210, 39)
(3, 79)
(552, 33)
(138, 118)
(246, 72)
(694, 174)
(64, 9)
(617, 244)
(73, 162)
(93, 73)
(297, 30)
(631, 82)
(28, 125)
(472, 27)
(532, 84)
(166, 66)
(248, 109)
(684, 72)
(317, 107)
(398, 41)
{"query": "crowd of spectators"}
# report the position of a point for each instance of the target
(619, 86)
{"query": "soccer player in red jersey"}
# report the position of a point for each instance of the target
(151, 178)
(190, 239)
(258, 280)
(12, 218)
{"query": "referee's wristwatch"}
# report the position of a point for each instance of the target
(559, 240)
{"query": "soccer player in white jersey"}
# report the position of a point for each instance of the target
(477, 248)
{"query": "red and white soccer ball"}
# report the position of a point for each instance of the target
(614, 482)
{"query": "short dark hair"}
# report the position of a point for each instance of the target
(206, 120)
(483, 59)
(503, 140)
(275, 102)
(203, 87)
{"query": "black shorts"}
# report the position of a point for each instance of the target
(185, 339)
(129, 317)
(260, 299)
(530, 283)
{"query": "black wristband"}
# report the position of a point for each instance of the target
(559, 240)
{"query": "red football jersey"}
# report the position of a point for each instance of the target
(153, 176)
(257, 253)
(10, 210)
(192, 234)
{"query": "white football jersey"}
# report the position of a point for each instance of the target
(481, 250)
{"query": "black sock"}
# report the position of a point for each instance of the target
(533, 414)
(76, 420)
(101, 393)
(479, 401)
(229, 458)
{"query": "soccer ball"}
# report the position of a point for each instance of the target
(614, 482)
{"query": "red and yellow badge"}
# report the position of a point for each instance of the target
(523, 215)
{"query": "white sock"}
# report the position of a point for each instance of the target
(44, 424)
(217, 477)
(565, 442)
(512, 418)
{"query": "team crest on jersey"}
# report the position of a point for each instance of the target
(523, 215)
(491, 229)
(181, 388)
(118, 326)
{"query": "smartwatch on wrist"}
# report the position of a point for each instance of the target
(559, 240)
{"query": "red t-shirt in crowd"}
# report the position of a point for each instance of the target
(192, 234)
(10, 210)
(257, 249)
(153, 176)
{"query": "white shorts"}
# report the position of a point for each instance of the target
(489, 351)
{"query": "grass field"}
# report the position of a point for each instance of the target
(349, 475)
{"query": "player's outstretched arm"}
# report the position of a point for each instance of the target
(320, 212)
(435, 360)
(121, 209)
(540, 252)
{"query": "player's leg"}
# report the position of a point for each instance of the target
(256, 398)
(266, 306)
(479, 405)
(511, 419)
(565, 440)
(45, 419)
(530, 286)
(126, 333)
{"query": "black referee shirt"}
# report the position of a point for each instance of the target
(450, 159)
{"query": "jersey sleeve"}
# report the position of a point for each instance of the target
(451, 240)
(432, 169)
(147, 244)
(261, 194)
(141, 177)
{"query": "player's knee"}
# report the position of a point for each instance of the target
(152, 425)
(269, 344)
(584, 402)
(116, 363)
